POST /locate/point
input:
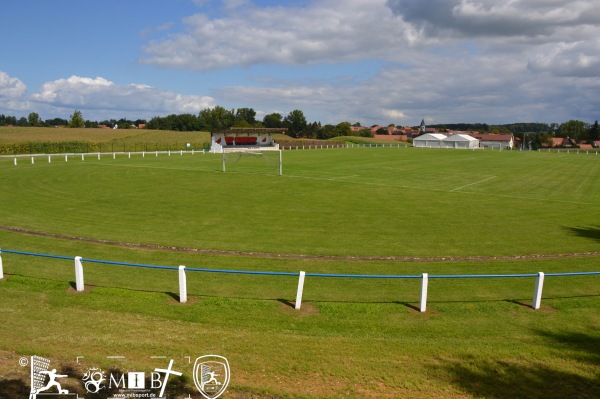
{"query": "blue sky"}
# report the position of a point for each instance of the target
(367, 61)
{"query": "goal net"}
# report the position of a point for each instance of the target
(38, 366)
(252, 161)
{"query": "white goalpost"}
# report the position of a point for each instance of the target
(246, 160)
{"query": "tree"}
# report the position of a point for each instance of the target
(273, 120)
(247, 115)
(34, 119)
(594, 132)
(295, 122)
(216, 119)
(76, 120)
(573, 129)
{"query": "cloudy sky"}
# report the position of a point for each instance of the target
(367, 61)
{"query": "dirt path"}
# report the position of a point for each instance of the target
(298, 256)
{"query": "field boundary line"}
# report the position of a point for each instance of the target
(472, 184)
(171, 248)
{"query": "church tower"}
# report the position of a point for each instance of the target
(422, 126)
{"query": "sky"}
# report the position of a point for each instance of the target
(360, 61)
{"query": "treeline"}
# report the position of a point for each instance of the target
(508, 128)
(34, 120)
(220, 118)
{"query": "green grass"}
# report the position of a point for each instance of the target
(354, 337)
(351, 202)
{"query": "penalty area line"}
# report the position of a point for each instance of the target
(472, 184)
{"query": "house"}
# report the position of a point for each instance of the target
(495, 140)
(565, 142)
(586, 146)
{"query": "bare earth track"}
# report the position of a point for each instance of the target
(298, 256)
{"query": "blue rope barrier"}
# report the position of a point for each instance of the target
(8, 251)
(195, 269)
(483, 275)
(268, 273)
(360, 275)
(108, 262)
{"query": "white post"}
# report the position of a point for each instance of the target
(182, 285)
(15, 161)
(181, 152)
(82, 156)
(424, 283)
(66, 157)
(537, 293)
(78, 274)
(143, 154)
(129, 154)
(98, 156)
(32, 160)
(1, 270)
(280, 163)
(157, 153)
(169, 152)
(114, 156)
(299, 292)
(49, 160)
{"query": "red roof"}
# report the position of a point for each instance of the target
(493, 137)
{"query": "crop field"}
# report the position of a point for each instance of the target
(380, 211)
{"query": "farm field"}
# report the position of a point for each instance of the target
(400, 211)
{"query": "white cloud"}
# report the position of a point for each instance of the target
(104, 96)
(325, 31)
(12, 93)
(11, 88)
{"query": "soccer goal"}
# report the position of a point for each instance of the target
(252, 161)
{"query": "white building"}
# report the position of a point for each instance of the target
(460, 141)
(429, 140)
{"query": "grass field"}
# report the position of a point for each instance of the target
(354, 210)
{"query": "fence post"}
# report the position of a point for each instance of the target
(32, 160)
(182, 285)
(424, 283)
(300, 289)
(1, 270)
(15, 161)
(78, 274)
(537, 294)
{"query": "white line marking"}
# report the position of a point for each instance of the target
(471, 184)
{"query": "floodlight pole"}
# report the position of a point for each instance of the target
(280, 163)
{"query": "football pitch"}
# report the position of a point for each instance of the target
(381, 211)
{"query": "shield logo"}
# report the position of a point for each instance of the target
(211, 375)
